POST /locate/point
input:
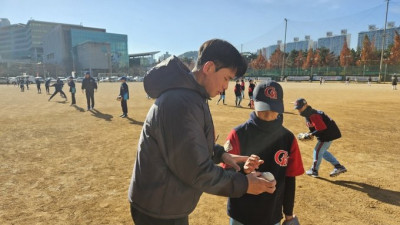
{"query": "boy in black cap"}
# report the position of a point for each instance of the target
(263, 135)
(326, 130)
(72, 89)
(123, 96)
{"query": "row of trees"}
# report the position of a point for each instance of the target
(322, 57)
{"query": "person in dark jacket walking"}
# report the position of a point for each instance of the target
(72, 89)
(238, 94)
(47, 85)
(39, 90)
(326, 130)
(176, 156)
(264, 135)
(123, 96)
(22, 85)
(89, 85)
(58, 89)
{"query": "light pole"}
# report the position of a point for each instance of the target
(383, 41)
(284, 50)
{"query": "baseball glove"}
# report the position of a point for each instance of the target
(293, 221)
(305, 136)
(119, 98)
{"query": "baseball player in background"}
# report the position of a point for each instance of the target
(264, 138)
(326, 130)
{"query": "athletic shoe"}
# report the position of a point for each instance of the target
(124, 115)
(338, 171)
(313, 173)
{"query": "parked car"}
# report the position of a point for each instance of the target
(138, 79)
(3, 80)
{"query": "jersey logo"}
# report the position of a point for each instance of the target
(270, 92)
(281, 157)
(228, 146)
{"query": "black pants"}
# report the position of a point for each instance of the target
(47, 89)
(124, 106)
(73, 98)
(39, 89)
(90, 98)
(143, 219)
(61, 92)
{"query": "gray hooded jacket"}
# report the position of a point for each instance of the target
(176, 155)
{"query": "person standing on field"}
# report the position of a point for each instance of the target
(123, 96)
(177, 154)
(89, 85)
(265, 136)
(394, 83)
(72, 89)
(326, 131)
(238, 93)
(47, 85)
(39, 90)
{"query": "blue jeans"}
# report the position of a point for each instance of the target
(321, 152)
(234, 222)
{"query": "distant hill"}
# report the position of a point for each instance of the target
(189, 55)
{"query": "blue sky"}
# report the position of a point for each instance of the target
(179, 26)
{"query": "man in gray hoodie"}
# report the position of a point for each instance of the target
(177, 155)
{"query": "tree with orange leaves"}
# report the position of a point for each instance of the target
(276, 59)
(346, 59)
(310, 56)
(259, 63)
(367, 52)
(394, 57)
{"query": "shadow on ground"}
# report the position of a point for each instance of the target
(135, 122)
(98, 114)
(383, 195)
(80, 109)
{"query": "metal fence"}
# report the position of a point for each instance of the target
(363, 71)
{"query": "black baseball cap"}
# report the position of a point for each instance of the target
(87, 73)
(268, 96)
(299, 103)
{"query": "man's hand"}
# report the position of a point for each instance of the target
(233, 160)
(258, 185)
(252, 163)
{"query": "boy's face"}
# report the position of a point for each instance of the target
(216, 81)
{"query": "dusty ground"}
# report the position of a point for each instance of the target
(63, 165)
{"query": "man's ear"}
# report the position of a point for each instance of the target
(208, 67)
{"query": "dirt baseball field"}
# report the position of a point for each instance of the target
(61, 164)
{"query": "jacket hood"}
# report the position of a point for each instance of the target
(170, 74)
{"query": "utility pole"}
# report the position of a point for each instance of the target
(284, 50)
(383, 42)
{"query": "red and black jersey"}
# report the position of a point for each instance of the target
(238, 90)
(321, 125)
(251, 88)
(278, 147)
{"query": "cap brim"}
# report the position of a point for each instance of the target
(273, 106)
(297, 107)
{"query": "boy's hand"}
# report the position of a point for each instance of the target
(233, 160)
(258, 185)
(252, 163)
(291, 220)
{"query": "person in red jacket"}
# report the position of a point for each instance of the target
(326, 130)
(251, 88)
